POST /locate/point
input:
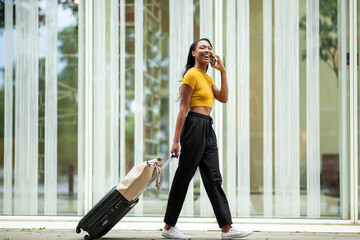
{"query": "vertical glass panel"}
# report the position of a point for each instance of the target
(68, 61)
(286, 114)
(206, 29)
(321, 138)
(334, 113)
(358, 102)
(45, 104)
(105, 97)
(141, 114)
(181, 31)
(100, 83)
(267, 119)
(129, 87)
(324, 115)
(156, 95)
(129, 84)
(285, 130)
(6, 79)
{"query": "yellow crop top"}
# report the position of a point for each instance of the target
(201, 83)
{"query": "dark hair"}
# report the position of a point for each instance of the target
(190, 59)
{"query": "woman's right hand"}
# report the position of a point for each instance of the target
(175, 149)
(219, 63)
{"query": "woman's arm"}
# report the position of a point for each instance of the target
(185, 97)
(222, 94)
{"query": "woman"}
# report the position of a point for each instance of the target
(198, 141)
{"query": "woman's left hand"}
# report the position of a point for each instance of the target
(219, 64)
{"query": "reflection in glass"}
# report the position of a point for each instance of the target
(51, 157)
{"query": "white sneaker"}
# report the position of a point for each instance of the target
(174, 232)
(233, 233)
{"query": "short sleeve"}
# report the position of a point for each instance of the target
(189, 79)
(211, 81)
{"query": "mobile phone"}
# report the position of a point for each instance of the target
(213, 61)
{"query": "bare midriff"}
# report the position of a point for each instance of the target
(201, 110)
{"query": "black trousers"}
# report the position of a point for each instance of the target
(198, 149)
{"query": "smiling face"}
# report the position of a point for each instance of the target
(203, 52)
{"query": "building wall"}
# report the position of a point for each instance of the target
(88, 90)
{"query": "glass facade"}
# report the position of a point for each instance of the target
(39, 64)
(89, 89)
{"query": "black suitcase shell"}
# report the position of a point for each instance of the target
(105, 215)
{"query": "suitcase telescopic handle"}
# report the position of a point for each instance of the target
(173, 155)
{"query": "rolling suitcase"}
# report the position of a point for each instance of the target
(105, 214)
(121, 199)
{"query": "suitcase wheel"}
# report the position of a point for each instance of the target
(78, 230)
(87, 237)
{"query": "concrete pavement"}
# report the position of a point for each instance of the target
(41, 234)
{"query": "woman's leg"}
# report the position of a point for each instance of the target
(211, 176)
(192, 148)
(179, 187)
(210, 173)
